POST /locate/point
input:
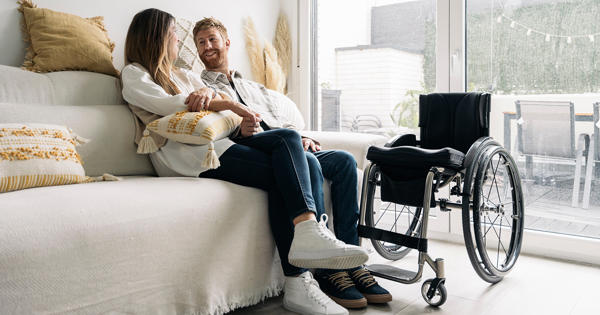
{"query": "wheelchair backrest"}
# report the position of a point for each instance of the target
(453, 120)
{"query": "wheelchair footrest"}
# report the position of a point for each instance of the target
(391, 273)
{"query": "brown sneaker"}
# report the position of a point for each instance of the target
(370, 289)
(340, 288)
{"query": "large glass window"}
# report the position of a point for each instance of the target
(374, 58)
(541, 61)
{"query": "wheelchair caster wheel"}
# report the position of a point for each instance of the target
(438, 297)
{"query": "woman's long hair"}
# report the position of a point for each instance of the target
(147, 44)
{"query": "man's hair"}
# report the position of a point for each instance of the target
(209, 22)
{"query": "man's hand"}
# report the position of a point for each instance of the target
(199, 99)
(308, 143)
(250, 125)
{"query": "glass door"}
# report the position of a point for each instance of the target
(540, 59)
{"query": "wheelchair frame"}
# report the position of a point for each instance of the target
(477, 160)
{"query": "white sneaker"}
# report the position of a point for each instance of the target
(303, 295)
(315, 246)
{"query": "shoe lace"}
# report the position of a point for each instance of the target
(364, 277)
(324, 231)
(314, 291)
(341, 280)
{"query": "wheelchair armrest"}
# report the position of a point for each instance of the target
(400, 140)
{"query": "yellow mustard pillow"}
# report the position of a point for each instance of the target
(33, 155)
(61, 41)
(199, 128)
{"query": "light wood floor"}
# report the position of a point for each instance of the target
(535, 286)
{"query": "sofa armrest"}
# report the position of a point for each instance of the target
(356, 144)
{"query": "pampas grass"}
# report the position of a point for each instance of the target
(274, 75)
(270, 63)
(255, 52)
(283, 44)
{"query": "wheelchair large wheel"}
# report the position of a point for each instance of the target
(496, 213)
(391, 217)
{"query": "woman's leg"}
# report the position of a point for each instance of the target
(313, 245)
(316, 181)
(251, 167)
(290, 167)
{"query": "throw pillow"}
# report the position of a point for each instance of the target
(187, 57)
(199, 128)
(33, 155)
(61, 41)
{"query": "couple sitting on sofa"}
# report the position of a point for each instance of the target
(262, 153)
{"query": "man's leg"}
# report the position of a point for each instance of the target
(340, 168)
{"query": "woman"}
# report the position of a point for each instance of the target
(272, 160)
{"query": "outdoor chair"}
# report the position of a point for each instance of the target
(592, 158)
(546, 129)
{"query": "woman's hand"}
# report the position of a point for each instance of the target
(199, 99)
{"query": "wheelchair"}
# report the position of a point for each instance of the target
(456, 153)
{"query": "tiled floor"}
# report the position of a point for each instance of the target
(536, 286)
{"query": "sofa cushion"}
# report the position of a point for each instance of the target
(110, 129)
(63, 88)
(61, 41)
(143, 245)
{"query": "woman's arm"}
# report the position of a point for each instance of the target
(140, 90)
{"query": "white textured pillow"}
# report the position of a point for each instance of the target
(33, 155)
(187, 57)
(201, 128)
(286, 111)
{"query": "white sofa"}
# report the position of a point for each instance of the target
(143, 245)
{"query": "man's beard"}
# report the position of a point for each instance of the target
(214, 62)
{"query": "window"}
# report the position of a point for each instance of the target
(373, 62)
(541, 61)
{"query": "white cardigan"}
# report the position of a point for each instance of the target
(174, 158)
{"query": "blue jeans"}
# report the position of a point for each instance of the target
(339, 167)
(275, 161)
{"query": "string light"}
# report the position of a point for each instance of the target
(547, 36)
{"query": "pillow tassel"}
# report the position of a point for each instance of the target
(211, 161)
(104, 178)
(147, 144)
(78, 139)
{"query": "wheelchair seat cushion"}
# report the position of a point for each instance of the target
(407, 157)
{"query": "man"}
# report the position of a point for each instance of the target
(350, 288)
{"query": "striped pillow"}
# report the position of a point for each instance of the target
(34, 155)
(199, 128)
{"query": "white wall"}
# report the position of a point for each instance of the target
(118, 15)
